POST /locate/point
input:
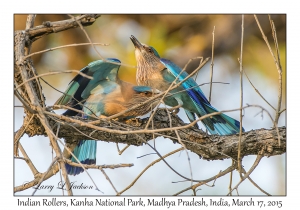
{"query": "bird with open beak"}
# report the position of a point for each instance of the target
(159, 73)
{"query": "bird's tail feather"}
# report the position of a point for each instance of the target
(191, 117)
(221, 124)
(85, 152)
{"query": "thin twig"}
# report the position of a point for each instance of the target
(60, 177)
(255, 164)
(122, 150)
(108, 179)
(258, 91)
(21, 158)
(200, 60)
(230, 180)
(279, 71)
(278, 66)
(205, 83)
(276, 127)
(213, 184)
(186, 178)
(241, 100)
(60, 171)
(53, 73)
(34, 182)
(212, 64)
(237, 192)
(43, 176)
(256, 185)
(152, 124)
(282, 111)
(145, 169)
(228, 170)
(28, 161)
(88, 37)
(19, 134)
(105, 166)
(63, 46)
(182, 144)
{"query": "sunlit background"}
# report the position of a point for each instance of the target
(178, 38)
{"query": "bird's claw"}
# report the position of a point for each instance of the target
(133, 122)
(174, 110)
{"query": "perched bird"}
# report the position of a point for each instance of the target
(102, 96)
(159, 73)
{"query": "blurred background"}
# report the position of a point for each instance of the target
(178, 38)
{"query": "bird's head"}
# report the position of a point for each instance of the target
(148, 60)
(143, 49)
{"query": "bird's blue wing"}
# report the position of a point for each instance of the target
(101, 71)
(80, 87)
(217, 124)
(104, 75)
(189, 85)
(75, 88)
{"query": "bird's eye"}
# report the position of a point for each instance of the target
(146, 48)
(147, 94)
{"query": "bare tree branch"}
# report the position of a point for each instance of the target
(210, 147)
(55, 27)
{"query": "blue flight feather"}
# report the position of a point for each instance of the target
(79, 90)
(217, 124)
(101, 71)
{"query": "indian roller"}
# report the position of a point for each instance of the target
(104, 95)
(159, 73)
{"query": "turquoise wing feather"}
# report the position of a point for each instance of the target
(79, 90)
(101, 72)
(75, 88)
(218, 124)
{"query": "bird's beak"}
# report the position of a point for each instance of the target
(136, 43)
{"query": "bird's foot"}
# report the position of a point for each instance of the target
(136, 122)
(174, 110)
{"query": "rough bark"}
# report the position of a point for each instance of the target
(210, 147)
